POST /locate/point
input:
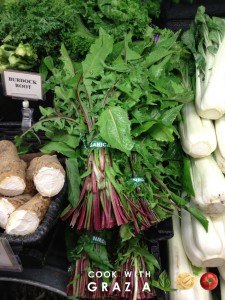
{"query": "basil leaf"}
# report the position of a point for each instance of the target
(164, 281)
(196, 270)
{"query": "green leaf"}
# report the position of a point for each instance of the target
(150, 258)
(164, 281)
(47, 111)
(43, 70)
(23, 150)
(70, 140)
(156, 56)
(126, 232)
(167, 40)
(60, 92)
(99, 257)
(187, 180)
(147, 156)
(169, 115)
(93, 65)
(129, 53)
(86, 173)
(64, 94)
(58, 147)
(197, 214)
(68, 65)
(49, 63)
(162, 133)
(114, 127)
(74, 180)
(178, 200)
(158, 70)
(143, 128)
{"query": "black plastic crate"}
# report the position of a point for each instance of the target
(162, 231)
(179, 16)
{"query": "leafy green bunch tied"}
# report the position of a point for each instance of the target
(115, 118)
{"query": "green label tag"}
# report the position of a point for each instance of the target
(99, 144)
(98, 240)
(136, 181)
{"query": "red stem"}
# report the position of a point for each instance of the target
(82, 216)
(97, 213)
(81, 106)
(74, 218)
(120, 217)
(137, 208)
(108, 92)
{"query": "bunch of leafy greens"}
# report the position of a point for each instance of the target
(128, 94)
(46, 24)
(135, 258)
(88, 255)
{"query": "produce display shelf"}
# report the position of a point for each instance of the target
(9, 130)
(49, 278)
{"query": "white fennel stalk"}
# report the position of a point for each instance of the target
(178, 263)
(198, 137)
(209, 185)
(204, 249)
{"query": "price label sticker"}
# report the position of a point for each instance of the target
(22, 85)
(8, 260)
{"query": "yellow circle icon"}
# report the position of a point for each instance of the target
(185, 281)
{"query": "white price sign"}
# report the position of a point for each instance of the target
(25, 85)
(8, 260)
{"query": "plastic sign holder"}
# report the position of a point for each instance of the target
(23, 86)
(8, 260)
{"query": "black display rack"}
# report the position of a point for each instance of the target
(179, 16)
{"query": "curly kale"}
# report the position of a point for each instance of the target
(118, 17)
(44, 24)
(78, 39)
